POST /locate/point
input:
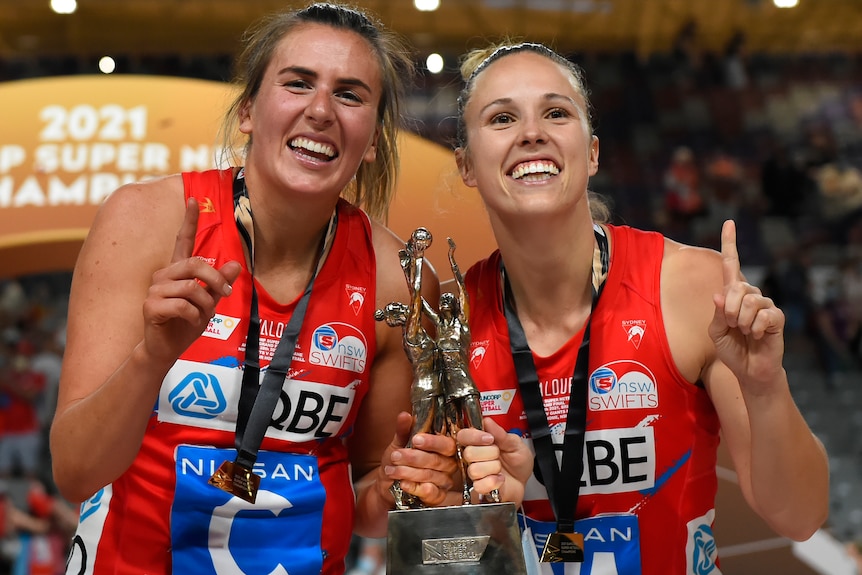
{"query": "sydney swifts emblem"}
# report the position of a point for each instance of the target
(635, 330)
(355, 297)
(477, 352)
(207, 206)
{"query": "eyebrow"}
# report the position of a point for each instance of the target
(302, 71)
(550, 96)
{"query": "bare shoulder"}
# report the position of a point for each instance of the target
(690, 276)
(139, 219)
(149, 205)
(385, 240)
(688, 267)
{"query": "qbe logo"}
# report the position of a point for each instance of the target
(198, 395)
(340, 346)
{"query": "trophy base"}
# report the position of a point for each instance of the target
(469, 539)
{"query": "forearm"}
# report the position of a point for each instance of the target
(373, 504)
(789, 467)
(94, 439)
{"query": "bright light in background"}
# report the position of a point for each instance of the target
(785, 3)
(426, 5)
(64, 6)
(434, 63)
(107, 65)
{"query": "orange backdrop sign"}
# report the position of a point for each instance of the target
(68, 142)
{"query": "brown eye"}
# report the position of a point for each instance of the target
(350, 96)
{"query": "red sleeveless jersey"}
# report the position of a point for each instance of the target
(646, 499)
(162, 516)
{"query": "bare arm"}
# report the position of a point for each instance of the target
(135, 305)
(769, 441)
(19, 521)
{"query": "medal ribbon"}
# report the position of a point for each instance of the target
(558, 479)
(258, 400)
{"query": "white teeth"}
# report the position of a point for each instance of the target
(527, 168)
(311, 146)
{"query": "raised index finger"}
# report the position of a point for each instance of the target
(730, 267)
(186, 236)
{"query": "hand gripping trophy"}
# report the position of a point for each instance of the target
(444, 400)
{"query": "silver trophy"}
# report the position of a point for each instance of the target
(466, 538)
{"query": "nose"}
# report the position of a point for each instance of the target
(319, 110)
(532, 131)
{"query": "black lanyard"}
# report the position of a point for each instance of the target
(562, 482)
(258, 400)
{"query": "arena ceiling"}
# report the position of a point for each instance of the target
(99, 27)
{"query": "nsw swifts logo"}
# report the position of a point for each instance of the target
(622, 384)
(635, 330)
(355, 297)
(339, 345)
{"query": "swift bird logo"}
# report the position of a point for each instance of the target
(477, 355)
(635, 330)
(355, 297)
(207, 206)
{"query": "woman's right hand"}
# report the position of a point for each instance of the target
(182, 297)
(427, 469)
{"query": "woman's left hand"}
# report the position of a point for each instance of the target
(747, 328)
(496, 460)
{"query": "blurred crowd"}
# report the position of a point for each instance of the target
(36, 524)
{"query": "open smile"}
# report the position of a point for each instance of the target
(534, 171)
(313, 150)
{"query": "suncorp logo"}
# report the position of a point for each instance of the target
(497, 402)
(198, 395)
(339, 345)
(221, 327)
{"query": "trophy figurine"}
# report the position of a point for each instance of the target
(467, 538)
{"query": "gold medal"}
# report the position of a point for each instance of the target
(236, 480)
(563, 548)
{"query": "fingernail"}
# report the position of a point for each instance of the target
(396, 456)
(388, 469)
(487, 439)
(227, 289)
(418, 441)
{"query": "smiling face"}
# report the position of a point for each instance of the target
(529, 145)
(314, 119)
